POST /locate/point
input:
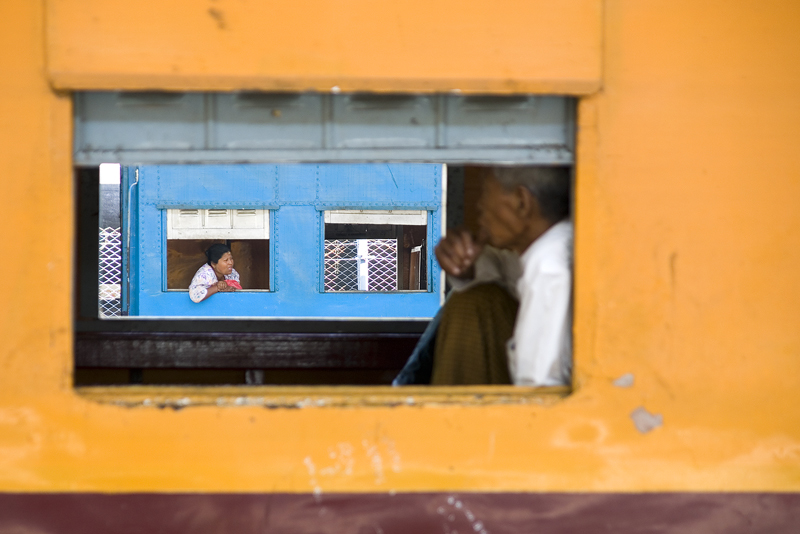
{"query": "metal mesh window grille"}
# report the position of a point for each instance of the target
(342, 260)
(382, 264)
(110, 273)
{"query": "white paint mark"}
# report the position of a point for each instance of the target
(394, 457)
(646, 421)
(312, 471)
(377, 468)
(342, 454)
(455, 508)
(310, 465)
(625, 381)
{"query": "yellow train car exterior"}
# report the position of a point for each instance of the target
(687, 264)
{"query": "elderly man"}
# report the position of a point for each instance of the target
(509, 318)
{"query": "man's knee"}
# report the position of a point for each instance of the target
(470, 343)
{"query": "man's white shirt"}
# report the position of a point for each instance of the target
(540, 350)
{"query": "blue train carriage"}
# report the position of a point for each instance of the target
(327, 240)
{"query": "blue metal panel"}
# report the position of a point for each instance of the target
(297, 183)
(130, 239)
(297, 195)
(377, 185)
(321, 305)
(206, 186)
(125, 213)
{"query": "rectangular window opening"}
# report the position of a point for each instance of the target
(190, 232)
(375, 250)
(392, 245)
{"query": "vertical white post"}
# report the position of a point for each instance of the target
(363, 264)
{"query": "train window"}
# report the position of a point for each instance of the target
(374, 250)
(190, 232)
(299, 187)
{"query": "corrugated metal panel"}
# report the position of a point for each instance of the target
(140, 122)
(383, 121)
(133, 128)
(266, 121)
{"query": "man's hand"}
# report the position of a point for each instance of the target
(457, 252)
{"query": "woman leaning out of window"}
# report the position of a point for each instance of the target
(216, 275)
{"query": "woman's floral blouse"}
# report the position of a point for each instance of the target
(204, 278)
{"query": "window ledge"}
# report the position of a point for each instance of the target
(320, 396)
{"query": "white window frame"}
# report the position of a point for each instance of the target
(233, 228)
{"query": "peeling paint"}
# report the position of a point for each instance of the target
(646, 421)
(625, 381)
(297, 398)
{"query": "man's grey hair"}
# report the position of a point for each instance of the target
(550, 185)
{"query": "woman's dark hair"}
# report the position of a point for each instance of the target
(216, 251)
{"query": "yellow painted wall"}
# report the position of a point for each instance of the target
(414, 45)
(688, 253)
